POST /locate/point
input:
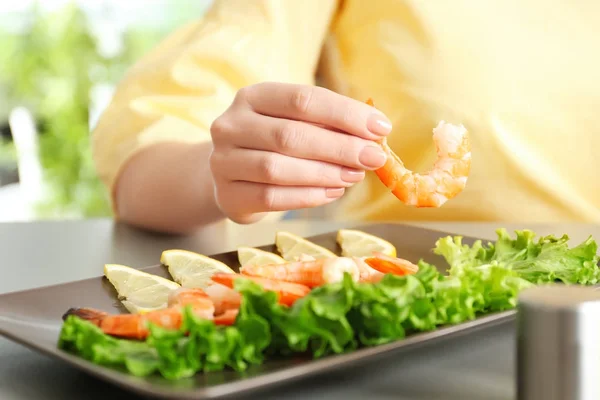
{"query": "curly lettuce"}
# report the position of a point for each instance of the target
(547, 260)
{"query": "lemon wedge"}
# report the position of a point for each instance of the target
(361, 244)
(192, 270)
(139, 291)
(292, 247)
(254, 256)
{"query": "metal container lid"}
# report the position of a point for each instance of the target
(558, 336)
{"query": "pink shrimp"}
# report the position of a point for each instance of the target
(391, 265)
(223, 297)
(328, 270)
(226, 318)
(287, 292)
(367, 273)
(310, 273)
(447, 178)
(135, 326)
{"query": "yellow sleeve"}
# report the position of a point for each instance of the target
(177, 90)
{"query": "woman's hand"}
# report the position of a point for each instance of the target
(283, 146)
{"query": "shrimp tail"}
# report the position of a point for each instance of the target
(391, 265)
(89, 314)
(367, 273)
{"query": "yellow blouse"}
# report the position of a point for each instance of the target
(522, 76)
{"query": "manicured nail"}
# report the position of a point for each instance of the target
(372, 157)
(379, 124)
(352, 175)
(334, 192)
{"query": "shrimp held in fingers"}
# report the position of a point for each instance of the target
(310, 273)
(135, 326)
(287, 292)
(445, 180)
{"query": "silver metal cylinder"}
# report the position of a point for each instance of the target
(558, 343)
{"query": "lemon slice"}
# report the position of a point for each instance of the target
(139, 291)
(361, 244)
(254, 256)
(293, 247)
(192, 270)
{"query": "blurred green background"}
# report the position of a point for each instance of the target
(61, 60)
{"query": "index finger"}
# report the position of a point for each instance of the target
(317, 105)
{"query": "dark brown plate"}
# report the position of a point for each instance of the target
(33, 318)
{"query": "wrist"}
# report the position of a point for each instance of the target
(168, 187)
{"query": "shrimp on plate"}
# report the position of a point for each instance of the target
(374, 268)
(311, 273)
(321, 271)
(135, 326)
(223, 297)
(385, 264)
(445, 180)
(287, 292)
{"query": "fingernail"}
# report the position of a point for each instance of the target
(335, 192)
(372, 157)
(379, 124)
(352, 175)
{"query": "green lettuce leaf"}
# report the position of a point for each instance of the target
(547, 260)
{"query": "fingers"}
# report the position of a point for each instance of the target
(284, 147)
(278, 169)
(316, 105)
(240, 199)
(298, 139)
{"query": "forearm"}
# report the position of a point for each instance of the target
(168, 187)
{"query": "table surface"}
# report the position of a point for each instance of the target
(478, 366)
